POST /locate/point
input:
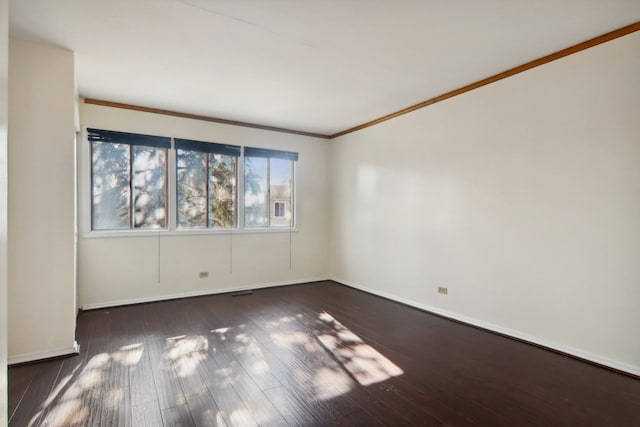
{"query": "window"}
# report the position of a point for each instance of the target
(206, 184)
(130, 188)
(268, 187)
(128, 180)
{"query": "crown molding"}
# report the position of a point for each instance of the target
(503, 75)
(200, 117)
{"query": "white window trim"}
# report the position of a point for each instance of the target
(172, 210)
(294, 186)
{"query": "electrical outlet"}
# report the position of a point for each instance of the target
(442, 290)
(204, 274)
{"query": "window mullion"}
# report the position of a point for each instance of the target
(171, 173)
(91, 188)
(132, 207)
(292, 192)
(240, 224)
(208, 181)
(268, 192)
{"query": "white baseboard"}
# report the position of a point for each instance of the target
(41, 355)
(94, 306)
(634, 370)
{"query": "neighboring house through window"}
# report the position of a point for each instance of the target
(278, 208)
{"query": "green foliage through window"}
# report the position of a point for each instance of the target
(122, 172)
(206, 189)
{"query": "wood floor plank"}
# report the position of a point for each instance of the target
(107, 407)
(146, 414)
(219, 381)
(34, 401)
(66, 394)
(177, 416)
(205, 411)
(297, 410)
(259, 406)
(167, 386)
(109, 358)
(249, 353)
(23, 375)
(142, 384)
(184, 354)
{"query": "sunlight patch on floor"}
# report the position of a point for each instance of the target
(250, 348)
(329, 383)
(362, 361)
(59, 387)
(287, 340)
(184, 353)
(241, 417)
(68, 412)
(69, 401)
(129, 354)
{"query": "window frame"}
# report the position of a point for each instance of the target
(207, 148)
(131, 140)
(270, 154)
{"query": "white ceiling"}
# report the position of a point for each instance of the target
(311, 65)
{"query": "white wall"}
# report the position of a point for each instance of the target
(4, 70)
(115, 270)
(41, 288)
(521, 197)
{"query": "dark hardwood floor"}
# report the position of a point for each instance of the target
(310, 354)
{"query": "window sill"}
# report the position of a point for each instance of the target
(185, 232)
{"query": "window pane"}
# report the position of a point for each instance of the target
(192, 188)
(256, 207)
(110, 189)
(149, 185)
(278, 209)
(280, 182)
(222, 190)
